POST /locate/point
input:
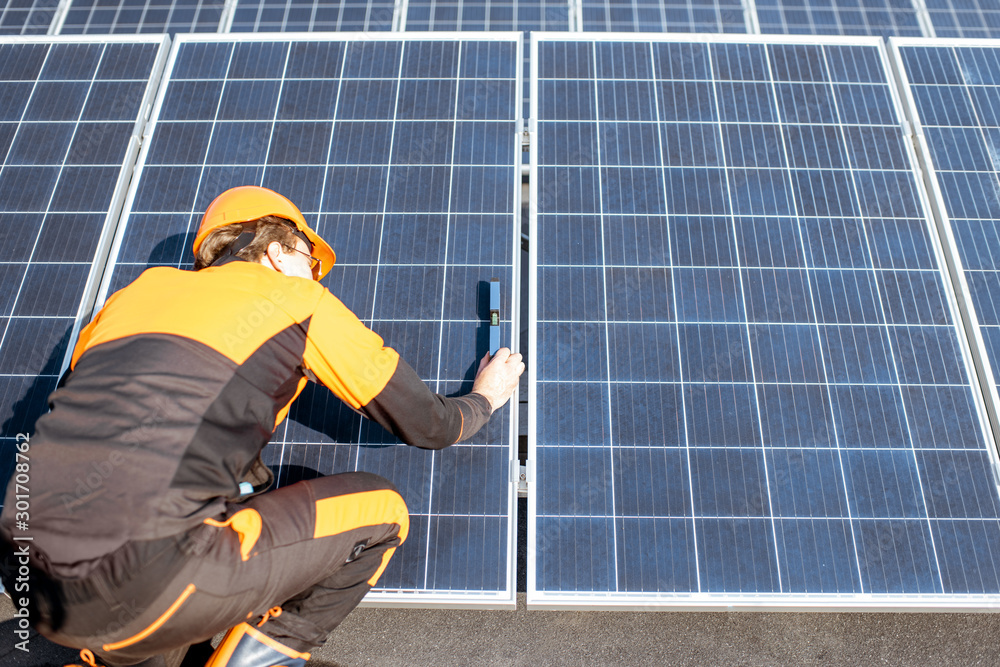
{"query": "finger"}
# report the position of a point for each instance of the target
(502, 354)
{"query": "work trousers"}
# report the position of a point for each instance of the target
(314, 549)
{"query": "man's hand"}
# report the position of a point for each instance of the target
(496, 378)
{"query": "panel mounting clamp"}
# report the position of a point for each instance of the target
(519, 475)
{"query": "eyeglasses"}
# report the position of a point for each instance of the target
(315, 263)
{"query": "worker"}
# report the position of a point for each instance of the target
(142, 541)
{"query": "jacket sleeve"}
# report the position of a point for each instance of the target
(420, 417)
(352, 361)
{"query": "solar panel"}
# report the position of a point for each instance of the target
(750, 385)
(841, 17)
(482, 15)
(964, 18)
(103, 17)
(312, 15)
(952, 96)
(27, 17)
(669, 16)
(402, 150)
(70, 118)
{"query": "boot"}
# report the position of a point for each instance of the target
(246, 646)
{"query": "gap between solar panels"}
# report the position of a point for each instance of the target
(751, 384)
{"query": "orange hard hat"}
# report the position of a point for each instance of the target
(249, 202)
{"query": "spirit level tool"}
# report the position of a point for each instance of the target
(494, 316)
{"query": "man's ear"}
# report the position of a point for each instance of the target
(273, 252)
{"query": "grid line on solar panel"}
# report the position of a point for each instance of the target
(31, 17)
(800, 369)
(839, 17)
(711, 16)
(401, 150)
(68, 137)
(103, 17)
(305, 16)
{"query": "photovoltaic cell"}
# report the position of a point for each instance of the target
(309, 16)
(401, 152)
(964, 18)
(838, 17)
(68, 138)
(750, 385)
(670, 16)
(102, 17)
(27, 17)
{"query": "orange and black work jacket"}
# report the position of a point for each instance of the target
(176, 386)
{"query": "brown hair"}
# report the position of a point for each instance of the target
(270, 228)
